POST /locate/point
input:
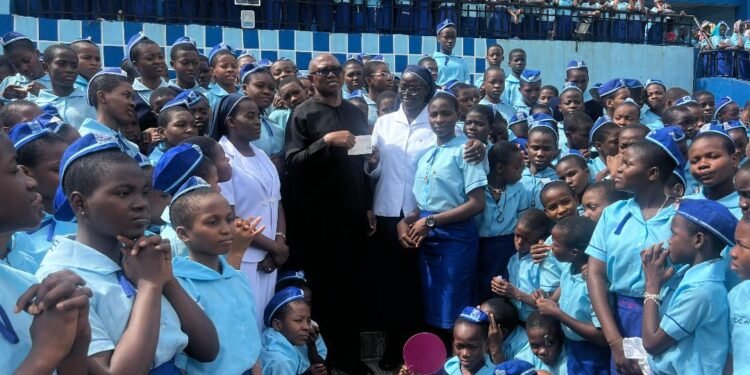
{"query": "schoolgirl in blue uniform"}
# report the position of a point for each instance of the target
(571, 100)
(225, 73)
(39, 151)
(689, 333)
(89, 60)
(738, 362)
(530, 88)
(449, 66)
(624, 229)
(204, 221)
(185, 60)
(198, 105)
(62, 63)
(514, 339)
(506, 199)
(542, 149)
(546, 345)
(148, 59)
(721, 42)
(24, 58)
(470, 344)
(142, 334)
(603, 138)
(288, 338)
(259, 85)
(586, 345)
(378, 79)
(449, 192)
(726, 109)
(573, 168)
(713, 163)
(177, 124)
(494, 86)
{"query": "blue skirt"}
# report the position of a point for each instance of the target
(723, 63)
(655, 33)
(166, 368)
(629, 318)
(635, 31)
(619, 30)
(585, 358)
(499, 25)
(494, 255)
(447, 265)
(743, 64)
(564, 27)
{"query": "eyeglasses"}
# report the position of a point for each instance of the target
(385, 75)
(410, 90)
(326, 72)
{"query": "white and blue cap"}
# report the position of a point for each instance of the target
(448, 86)
(531, 76)
(185, 40)
(567, 86)
(600, 122)
(354, 57)
(355, 94)
(83, 40)
(518, 118)
(543, 120)
(442, 25)
(186, 98)
(685, 100)
(715, 127)
(107, 71)
(27, 132)
(176, 166)
(666, 139)
(732, 125)
(50, 118)
(291, 276)
(655, 82)
(474, 315)
(279, 300)
(12, 36)
(192, 184)
(680, 174)
(84, 146)
(571, 153)
(574, 64)
(245, 53)
(267, 63)
(132, 42)
(142, 160)
(678, 133)
(251, 68)
(711, 216)
(633, 83)
(378, 58)
(631, 102)
(221, 47)
(515, 367)
(611, 86)
(721, 103)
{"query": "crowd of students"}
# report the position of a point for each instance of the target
(529, 226)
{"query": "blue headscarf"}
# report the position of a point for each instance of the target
(224, 110)
(425, 76)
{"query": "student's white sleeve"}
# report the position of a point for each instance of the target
(598, 243)
(376, 141)
(100, 340)
(686, 312)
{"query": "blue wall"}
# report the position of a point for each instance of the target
(734, 88)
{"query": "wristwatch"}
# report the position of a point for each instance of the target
(430, 221)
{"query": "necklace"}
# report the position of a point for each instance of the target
(494, 190)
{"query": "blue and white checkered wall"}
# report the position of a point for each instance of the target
(674, 65)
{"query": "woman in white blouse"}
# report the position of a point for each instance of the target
(255, 190)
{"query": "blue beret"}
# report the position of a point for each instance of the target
(291, 275)
(531, 76)
(27, 132)
(449, 85)
(633, 83)
(518, 118)
(142, 160)
(186, 98)
(377, 58)
(567, 86)
(185, 40)
(176, 166)
(107, 71)
(685, 100)
(84, 40)
(723, 102)
(732, 124)
(655, 82)
(193, 183)
(573, 64)
(251, 68)
(279, 300)
(611, 86)
(632, 102)
(680, 174)
(132, 42)
(245, 52)
(666, 139)
(715, 127)
(710, 215)
(355, 94)
(442, 25)
(600, 122)
(474, 315)
(515, 367)
(542, 120)
(354, 57)
(219, 48)
(84, 146)
(12, 36)
(520, 142)
(572, 154)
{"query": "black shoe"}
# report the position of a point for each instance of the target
(389, 363)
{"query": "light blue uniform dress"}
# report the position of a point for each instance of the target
(72, 108)
(157, 153)
(523, 273)
(697, 317)
(511, 93)
(516, 343)
(214, 95)
(91, 126)
(651, 119)
(227, 300)
(280, 116)
(81, 82)
(550, 270)
(18, 256)
(505, 110)
(739, 326)
(534, 183)
(596, 165)
(280, 357)
(271, 139)
(145, 92)
(453, 367)
(372, 110)
(560, 367)
(13, 283)
(197, 88)
(620, 236)
(20, 80)
(451, 67)
(448, 255)
(112, 301)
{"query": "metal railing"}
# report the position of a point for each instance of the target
(729, 63)
(487, 19)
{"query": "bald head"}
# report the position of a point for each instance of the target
(324, 59)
